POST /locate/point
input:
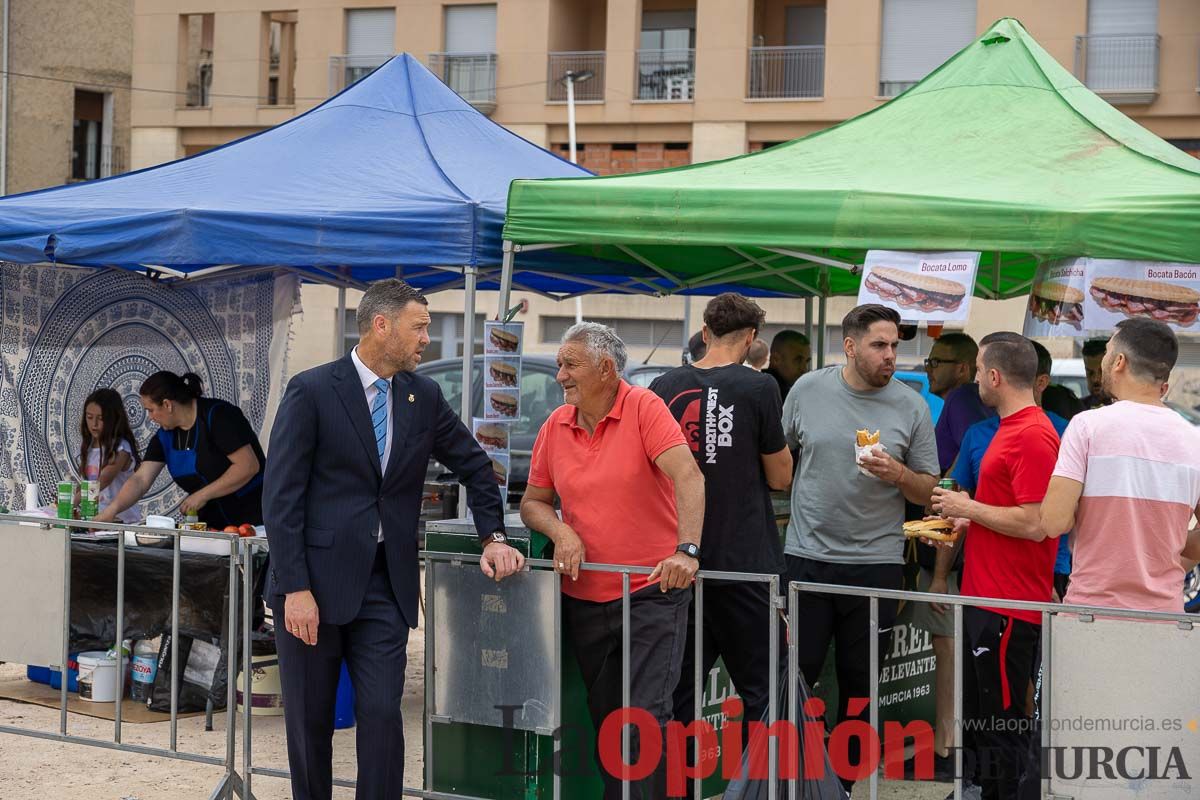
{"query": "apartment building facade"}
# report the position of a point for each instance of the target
(657, 83)
(65, 103)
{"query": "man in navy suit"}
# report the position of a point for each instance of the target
(341, 499)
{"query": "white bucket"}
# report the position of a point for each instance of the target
(98, 677)
(266, 694)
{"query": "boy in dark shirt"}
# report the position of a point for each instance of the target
(731, 417)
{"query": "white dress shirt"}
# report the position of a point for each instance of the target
(368, 378)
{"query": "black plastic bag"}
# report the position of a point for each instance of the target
(204, 675)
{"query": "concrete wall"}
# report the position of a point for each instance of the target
(78, 44)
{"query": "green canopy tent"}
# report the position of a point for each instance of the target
(1000, 150)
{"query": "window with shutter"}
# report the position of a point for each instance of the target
(918, 36)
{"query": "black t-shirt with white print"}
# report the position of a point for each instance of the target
(731, 416)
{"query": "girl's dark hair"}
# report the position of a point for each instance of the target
(116, 429)
(166, 385)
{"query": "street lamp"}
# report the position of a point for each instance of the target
(571, 78)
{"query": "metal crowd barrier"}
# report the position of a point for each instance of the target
(232, 783)
(241, 553)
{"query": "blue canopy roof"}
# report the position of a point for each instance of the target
(397, 170)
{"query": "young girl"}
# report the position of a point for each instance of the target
(108, 452)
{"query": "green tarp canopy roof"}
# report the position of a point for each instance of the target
(1000, 150)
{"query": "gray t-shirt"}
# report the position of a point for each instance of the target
(838, 513)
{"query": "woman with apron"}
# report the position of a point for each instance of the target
(209, 449)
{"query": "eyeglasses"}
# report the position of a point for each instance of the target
(934, 363)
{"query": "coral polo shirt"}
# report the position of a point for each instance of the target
(612, 493)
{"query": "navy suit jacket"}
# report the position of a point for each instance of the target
(325, 495)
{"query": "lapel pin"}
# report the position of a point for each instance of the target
(412, 398)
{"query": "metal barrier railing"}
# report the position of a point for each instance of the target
(345, 70)
(241, 552)
(790, 72)
(232, 782)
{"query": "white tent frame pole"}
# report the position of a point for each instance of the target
(780, 272)
(506, 278)
(711, 277)
(470, 277)
(816, 259)
(626, 288)
(808, 325)
(645, 262)
(339, 325)
(824, 297)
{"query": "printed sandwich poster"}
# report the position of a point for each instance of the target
(930, 287)
(1056, 299)
(1120, 290)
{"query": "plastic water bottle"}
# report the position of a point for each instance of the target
(143, 669)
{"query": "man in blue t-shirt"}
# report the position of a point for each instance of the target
(975, 443)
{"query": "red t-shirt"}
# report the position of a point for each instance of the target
(613, 494)
(1015, 470)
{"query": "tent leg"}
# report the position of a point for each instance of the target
(470, 275)
(506, 277)
(821, 332)
(339, 325)
(808, 334)
(687, 327)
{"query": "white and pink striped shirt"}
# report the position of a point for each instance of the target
(1140, 469)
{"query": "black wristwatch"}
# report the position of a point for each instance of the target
(689, 549)
(498, 537)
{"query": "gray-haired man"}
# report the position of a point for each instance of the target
(631, 493)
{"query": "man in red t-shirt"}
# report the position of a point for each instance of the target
(1007, 558)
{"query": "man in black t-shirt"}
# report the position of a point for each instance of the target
(732, 417)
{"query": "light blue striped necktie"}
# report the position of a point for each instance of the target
(379, 416)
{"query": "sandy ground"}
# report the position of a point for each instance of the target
(31, 767)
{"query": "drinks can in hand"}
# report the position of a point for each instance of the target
(949, 484)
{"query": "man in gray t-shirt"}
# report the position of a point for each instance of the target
(845, 527)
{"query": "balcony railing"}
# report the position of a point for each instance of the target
(666, 74)
(102, 162)
(199, 86)
(787, 72)
(578, 62)
(1120, 68)
(349, 69)
(471, 75)
(893, 88)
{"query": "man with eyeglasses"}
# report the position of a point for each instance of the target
(951, 371)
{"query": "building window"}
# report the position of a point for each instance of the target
(279, 59)
(92, 152)
(196, 48)
(664, 333)
(918, 36)
(666, 58)
(1119, 55)
(370, 41)
(445, 335)
(468, 61)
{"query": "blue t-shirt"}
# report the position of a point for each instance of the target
(970, 455)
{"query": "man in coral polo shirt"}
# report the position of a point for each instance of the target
(631, 494)
(1128, 480)
(1008, 557)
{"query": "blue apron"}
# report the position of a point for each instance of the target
(182, 465)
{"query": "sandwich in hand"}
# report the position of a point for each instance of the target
(492, 435)
(865, 438)
(1057, 304)
(503, 340)
(941, 530)
(1165, 302)
(504, 403)
(503, 373)
(911, 290)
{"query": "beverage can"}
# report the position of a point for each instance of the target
(66, 500)
(949, 484)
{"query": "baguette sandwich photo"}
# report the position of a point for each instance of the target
(920, 292)
(1056, 304)
(1165, 302)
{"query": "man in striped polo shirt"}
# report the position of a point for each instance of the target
(1128, 481)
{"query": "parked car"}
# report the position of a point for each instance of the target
(918, 381)
(1069, 373)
